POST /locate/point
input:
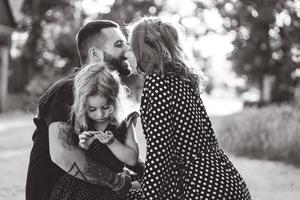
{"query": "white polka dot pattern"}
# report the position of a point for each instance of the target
(183, 159)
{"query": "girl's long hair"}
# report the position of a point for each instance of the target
(158, 49)
(92, 80)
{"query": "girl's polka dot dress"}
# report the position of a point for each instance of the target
(183, 159)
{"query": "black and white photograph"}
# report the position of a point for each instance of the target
(149, 99)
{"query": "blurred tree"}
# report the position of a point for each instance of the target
(124, 11)
(267, 42)
(49, 51)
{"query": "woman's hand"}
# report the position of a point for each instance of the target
(105, 137)
(86, 138)
(136, 185)
(132, 118)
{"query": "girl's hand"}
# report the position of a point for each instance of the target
(105, 137)
(86, 138)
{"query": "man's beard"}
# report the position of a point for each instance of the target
(118, 64)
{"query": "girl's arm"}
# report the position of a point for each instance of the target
(130, 138)
(124, 152)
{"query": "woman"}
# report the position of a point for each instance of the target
(183, 160)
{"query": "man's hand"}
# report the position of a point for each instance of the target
(124, 184)
(136, 185)
(138, 168)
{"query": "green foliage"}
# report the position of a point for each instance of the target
(271, 132)
(266, 42)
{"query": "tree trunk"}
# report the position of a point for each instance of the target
(4, 62)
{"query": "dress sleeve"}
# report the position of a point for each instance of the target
(157, 124)
(121, 129)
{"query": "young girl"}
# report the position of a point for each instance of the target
(95, 120)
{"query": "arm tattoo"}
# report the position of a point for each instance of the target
(75, 171)
(66, 136)
(98, 174)
(94, 173)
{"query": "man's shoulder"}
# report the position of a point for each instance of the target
(63, 89)
(62, 84)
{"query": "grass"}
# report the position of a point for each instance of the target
(271, 132)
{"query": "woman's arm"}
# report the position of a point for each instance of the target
(157, 124)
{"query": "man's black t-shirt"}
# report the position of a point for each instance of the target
(54, 106)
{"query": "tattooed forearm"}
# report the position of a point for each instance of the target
(66, 136)
(98, 174)
(75, 171)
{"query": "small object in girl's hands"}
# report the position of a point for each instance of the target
(92, 133)
(108, 133)
(105, 137)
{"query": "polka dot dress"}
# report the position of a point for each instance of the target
(183, 159)
(71, 188)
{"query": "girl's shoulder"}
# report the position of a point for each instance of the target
(119, 129)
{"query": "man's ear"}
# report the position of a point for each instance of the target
(95, 54)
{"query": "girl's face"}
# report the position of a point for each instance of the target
(98, 110)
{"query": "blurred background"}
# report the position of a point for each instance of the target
(248, 49)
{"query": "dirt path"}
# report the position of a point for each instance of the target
(15, 144)
(267, 180)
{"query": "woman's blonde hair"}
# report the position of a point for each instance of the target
(92, 80)
(158, 49)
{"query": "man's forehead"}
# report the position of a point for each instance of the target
(113, 34)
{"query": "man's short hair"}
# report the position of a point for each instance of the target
(87, 35)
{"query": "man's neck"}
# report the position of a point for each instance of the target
(110, 67)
